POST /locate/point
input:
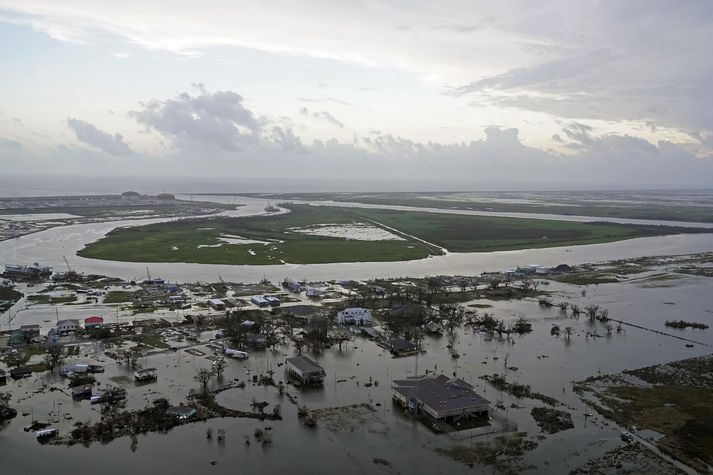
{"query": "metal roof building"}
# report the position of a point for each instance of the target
(439, 397)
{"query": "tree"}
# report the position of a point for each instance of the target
(341, 338)
(555, 330)
(219, 365)
(14, 360)
(54, 357)
(591, 311)
(131, 356)
(299, 344)
(203, 376)
(522, 326)
(575, 310)
(113, 401)
(568, 332)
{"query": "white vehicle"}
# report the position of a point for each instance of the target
(237, 354)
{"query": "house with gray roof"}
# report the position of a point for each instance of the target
(439, 398)
(305, 370)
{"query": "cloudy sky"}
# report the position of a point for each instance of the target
(607, 92)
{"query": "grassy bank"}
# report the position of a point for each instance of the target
(191, 240)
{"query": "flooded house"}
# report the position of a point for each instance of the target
(438, 399)
(355, 316)
(21, 372)
(82, 392)
(304, 370)
(401, 347)
(145, 374)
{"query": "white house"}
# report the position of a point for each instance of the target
(355, 316)
(67, 326)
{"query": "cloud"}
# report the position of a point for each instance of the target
(322, 115)
(10, 144)
(216, 120)
(90, 135)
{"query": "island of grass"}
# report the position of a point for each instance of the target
(322, 234)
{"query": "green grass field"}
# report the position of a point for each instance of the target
(456, 233)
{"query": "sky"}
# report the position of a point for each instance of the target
(602, 92)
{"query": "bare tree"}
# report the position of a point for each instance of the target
(203, 376)
(54, 357)
(219, 365)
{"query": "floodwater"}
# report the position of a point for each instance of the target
(545, 362)
(48, 247)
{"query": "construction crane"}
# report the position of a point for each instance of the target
(67, 263)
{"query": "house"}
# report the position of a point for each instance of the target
(145, 374)
(293, 285)
(21, 372)
(355, 316)
(93, 322)
(408, 310)
(272, 301)
(401, 347)
(259, 301)
(439, 398)
(82, 392)
(67, 326)
(30, 330)
(313, 293)
(216, 304)
(304, 370)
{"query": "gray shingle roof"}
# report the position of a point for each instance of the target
(439, 392)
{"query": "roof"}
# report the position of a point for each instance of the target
(440, 393)
(71, 321)
(216, 302)
(94, 319)
(401, 344)
(305, 364)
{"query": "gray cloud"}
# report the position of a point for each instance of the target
(322, 115)
(10, 144)
(216, 120)
(90, 135)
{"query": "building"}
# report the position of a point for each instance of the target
(259, 301)
(93, 322)
(272, 301)
(146, 374)
(305, 370)
(216, 304)
(30, 330)
(439, 398)
(355, 316)
(401, 347)
(67, 326)
(292, 285)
